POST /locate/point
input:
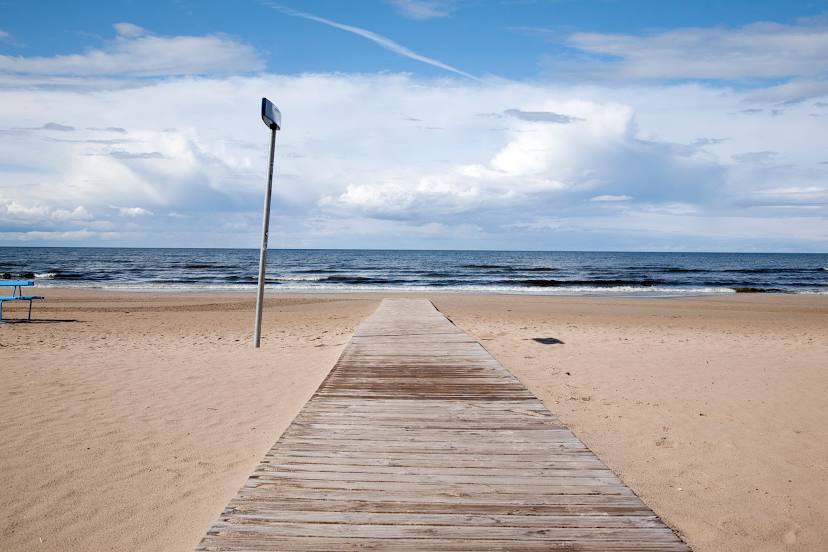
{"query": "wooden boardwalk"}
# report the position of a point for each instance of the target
(420, 440)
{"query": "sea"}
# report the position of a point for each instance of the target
(335, 270)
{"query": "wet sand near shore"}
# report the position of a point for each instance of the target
(129, 419)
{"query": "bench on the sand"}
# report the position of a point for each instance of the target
(17, 294)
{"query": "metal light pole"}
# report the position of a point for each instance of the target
(273, 120)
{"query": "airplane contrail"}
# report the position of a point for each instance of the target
(378, 39)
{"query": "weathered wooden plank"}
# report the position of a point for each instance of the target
(445, 463)
(255, 515)
(451, 471)
(403, 491)
(420, 440)
(581, 505)
(489, 482)
(464, 532)
(455, 500)
(317, 544)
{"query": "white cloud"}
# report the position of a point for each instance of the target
(71, 236)
(421, 9)
(129, 30)
(758, 50)
(358, 167)
(382, 41)
(58, 127)
(806, 194)
(754, 156)
(540, 116)
(796, 90)
(610, 198)
(121, 154)
(14, 210)
(137, 53)
(9, 39)
(79, 213)
(132, 211)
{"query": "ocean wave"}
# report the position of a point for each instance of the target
(769, 270)
(630, 290)
(435, 272)
(299, 278)
(510, 268)
(455, 287)
(600, 282)
(759, 290)
(27, 275)
(215, 266)
(686, 270)
(57, 274)
(365, 280)
(16, 275)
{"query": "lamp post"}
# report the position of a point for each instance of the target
(273, 120)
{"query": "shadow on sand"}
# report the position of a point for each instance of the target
(37, 320)
(548, 340)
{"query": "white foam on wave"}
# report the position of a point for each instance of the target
(300, 278)
(45, 275)
(309, 285)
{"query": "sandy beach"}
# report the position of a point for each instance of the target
(130, 419)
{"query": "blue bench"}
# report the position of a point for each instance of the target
(17, 294)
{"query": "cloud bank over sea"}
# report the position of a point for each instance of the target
(155, 140)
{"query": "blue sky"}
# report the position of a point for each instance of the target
(483, 37)
(511, 124)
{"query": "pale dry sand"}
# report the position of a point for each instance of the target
(714, 410)
(128, 420)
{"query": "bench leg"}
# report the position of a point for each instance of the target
(30, 310)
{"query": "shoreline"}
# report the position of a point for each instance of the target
(145, 412)
(553, 291)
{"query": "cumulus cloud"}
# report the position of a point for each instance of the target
(13, 210)
(132, 211)
(350, 174)
(137, 53)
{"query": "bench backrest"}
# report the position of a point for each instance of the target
(16, 283)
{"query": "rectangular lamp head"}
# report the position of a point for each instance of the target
(271, 115)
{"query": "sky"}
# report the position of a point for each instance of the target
(417, 124)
